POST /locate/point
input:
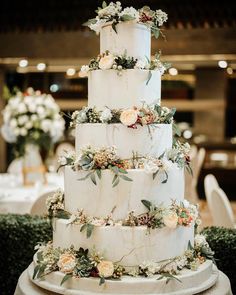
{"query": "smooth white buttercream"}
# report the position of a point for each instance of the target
(99, 200)
(150, 140)
(132, 38)
(106, 88)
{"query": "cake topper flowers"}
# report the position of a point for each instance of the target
(114, 14)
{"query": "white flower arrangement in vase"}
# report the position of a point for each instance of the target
(32, 123)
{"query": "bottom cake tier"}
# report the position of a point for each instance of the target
(130, 246)
(188, 283)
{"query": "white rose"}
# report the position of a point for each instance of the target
(150, 167)
(22, 108)
(129, 117)
(17, 131)
(23, 132)
(170, 220)
(34, 117)
(13, 123)
(200, 240)
(105, 268)
(22, 119)
(84, 71)
(46, 125)
(66, 263)
(40, 110)
(186, 203)
(28, 125)
(140, 64)
(8, 134)
(166, 165)
(106, 62)
(106, 115)
(131, 11)
(32, 107)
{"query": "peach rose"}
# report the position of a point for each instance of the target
(170, 220)
(106, 62)
(129, 117)
(105, 268)
(67, 262)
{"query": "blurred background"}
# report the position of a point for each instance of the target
(43, 44)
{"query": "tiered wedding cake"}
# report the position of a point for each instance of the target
(124, 188)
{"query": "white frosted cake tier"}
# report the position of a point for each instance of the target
(150, 140)
(107, 88)
(192, 282)
(135, 244)
(132, 38)
(99, 200)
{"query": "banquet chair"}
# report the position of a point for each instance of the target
(221, 209)
(39, 206)
(210, 183)
(64, 147)
(191, 181)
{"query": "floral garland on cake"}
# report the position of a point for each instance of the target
(114, 14)
(182, 214)
(145, 115)
(108, 61)
(84, 263)
(94, 160)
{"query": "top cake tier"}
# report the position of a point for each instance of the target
(131, 38)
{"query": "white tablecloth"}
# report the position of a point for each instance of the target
(18, 199)
(26, 287)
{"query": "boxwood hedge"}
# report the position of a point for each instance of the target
(18, 236)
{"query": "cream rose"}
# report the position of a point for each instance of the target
(170, 220)
(129, 117)
(105, 269)
(106, 62)
(67, 262)
(84, 71)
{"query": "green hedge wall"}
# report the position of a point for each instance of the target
(223, 242)
(18, 236)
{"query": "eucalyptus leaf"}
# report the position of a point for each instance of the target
(155, 174)
(93, 178)
(127, 17)
(86, 176)
(149, 77)
(36, 270)
(102, 281)
(166, 179)
(121, 170)
(114, 27)
(83, 227)
(90, 228)
(147, 204)
(104, 4)
(115, 178)
(116, 182)
(125, 178)
(66, 277)
(99, 173)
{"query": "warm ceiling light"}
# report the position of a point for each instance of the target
(229, 70)
(222, 64)
(41, 66)
(70, 72)
(173, 71)
(23, 63)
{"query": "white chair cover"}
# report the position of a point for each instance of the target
(221, 209)
(210, 183)
(39, 206)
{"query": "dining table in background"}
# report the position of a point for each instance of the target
(18, 199)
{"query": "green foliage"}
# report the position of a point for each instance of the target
(18, 236)
(223, 242)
